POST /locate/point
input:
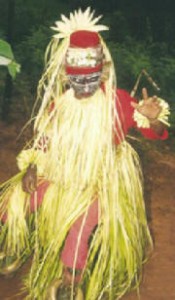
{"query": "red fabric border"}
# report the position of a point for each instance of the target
(83, 70)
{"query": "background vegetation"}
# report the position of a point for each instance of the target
(141, 36)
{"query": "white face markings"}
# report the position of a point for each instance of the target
(85, 85)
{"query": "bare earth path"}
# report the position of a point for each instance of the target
(159, 272)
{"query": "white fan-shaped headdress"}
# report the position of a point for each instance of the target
(78, 20)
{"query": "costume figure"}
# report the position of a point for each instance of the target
(77, 203)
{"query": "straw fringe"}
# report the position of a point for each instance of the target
(15, 233)
(97, 168)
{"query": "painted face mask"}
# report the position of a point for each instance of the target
(85, 85)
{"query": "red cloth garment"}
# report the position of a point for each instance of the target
(70, 247)
(39, 194)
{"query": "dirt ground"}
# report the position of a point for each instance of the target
(158, 281)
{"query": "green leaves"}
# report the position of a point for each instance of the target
(7, 58)
(13, 68)
(5, 50)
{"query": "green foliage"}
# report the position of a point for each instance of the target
(5, 50)
(165, 70)
(7, 58)
(129, 58)
(13, 69)
(31, 53)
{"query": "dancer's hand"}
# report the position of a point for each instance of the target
(150, 107)
(29, 181)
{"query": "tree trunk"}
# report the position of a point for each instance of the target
(7, 96)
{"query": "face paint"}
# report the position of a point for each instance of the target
(85, 85)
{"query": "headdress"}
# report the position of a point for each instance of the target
(84, 54)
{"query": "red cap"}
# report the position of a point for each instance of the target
(84, 39)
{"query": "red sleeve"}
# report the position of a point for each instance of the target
(126, 111)
(151, 134)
